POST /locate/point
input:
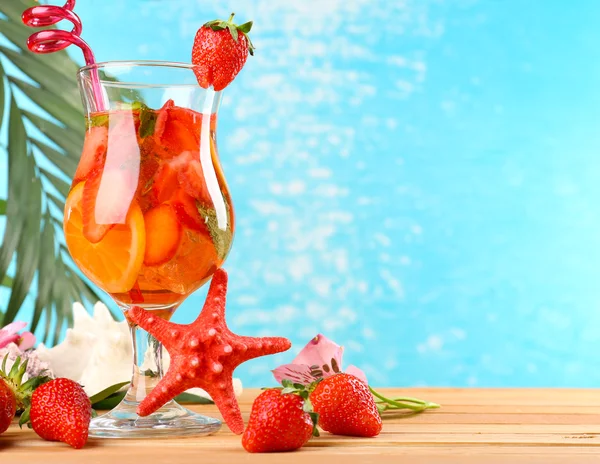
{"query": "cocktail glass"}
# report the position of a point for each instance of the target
(149, 216)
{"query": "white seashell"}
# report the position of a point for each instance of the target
(96, 352)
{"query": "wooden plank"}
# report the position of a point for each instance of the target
(474, 426)
(497, 418)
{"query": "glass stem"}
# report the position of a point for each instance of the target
(147, 364)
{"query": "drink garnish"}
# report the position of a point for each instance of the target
(220, 52)
(204, 354)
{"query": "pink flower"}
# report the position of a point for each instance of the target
(320, 358)
(10, 334)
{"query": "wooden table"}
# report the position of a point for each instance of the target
(474, 425)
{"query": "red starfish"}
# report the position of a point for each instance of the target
(204, 354)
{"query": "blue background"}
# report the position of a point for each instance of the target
(417, 180)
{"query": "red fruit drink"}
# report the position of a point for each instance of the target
(149, 216)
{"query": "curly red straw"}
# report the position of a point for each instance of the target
(54, 40)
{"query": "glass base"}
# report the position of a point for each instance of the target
(172, 420)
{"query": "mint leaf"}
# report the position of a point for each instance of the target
(221, 237)
(98, 120)
(148, 119)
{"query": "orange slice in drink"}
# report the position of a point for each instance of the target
(115, 261)
(163, 234)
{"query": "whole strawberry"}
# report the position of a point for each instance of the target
(278, 422)
(15, 396)
(220, 51)
(8, 406)
(346, 407)
(61, 411)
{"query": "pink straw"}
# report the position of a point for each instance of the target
(54, 40)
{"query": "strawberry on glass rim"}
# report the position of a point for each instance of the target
(220, 52)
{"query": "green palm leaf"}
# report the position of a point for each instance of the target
(45, 128)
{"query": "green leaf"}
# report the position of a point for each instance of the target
(14, 9)
(217, 25)
(148, 119)
(6, 282)
(15, 368)
(107, 392)
(213, 22)
(17, 190)
(315, 420)
(15, 32)
(45, 273)
(54, 81)
(307, 406)
(2, 207)
(60, 160)
(25, 416)
(221, 237)
(29, 243)
(245, 28)
(70, 140)
(60, 295)
(189, 398)
(91, 293)
(2, 93)
(234, 32)
(98, 120)
(58, 202)
(60, 184)
(51, 103)
(111, 402)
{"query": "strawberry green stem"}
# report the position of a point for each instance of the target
(413, 404)
(230, 20)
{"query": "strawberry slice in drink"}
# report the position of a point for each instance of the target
(192, 179)
(192, 119)
(187, 212)
(174, 132)
(107, 195)
(110, 189)
(166, 181)
(92, 231)
(93, 153)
